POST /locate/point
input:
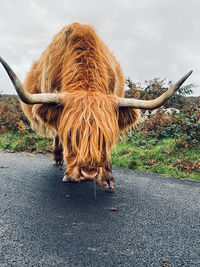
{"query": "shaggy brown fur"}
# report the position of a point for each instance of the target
(88, 121)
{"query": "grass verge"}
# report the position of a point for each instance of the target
(29, 142)
(148, 155)
(158, 156)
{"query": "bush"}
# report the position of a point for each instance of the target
(156, 87)
(184, 127)
(11, 115)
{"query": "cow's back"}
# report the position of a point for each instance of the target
(81, 61)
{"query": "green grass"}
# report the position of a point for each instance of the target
(30, 142)
(158, 156)
(148, 155)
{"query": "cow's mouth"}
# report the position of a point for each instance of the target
(88, 175)
(99, 175)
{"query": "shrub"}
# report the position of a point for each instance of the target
(184, 127)
(156, 87)
(11, 115)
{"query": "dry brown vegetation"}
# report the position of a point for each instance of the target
(11, 115)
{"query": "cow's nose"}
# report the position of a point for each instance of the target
(88, 174)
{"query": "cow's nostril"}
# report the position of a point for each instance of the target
(89, 174)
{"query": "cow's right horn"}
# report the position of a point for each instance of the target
(151, 104)
(25, 96)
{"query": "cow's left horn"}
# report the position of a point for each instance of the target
(155, 103)
(25, 96)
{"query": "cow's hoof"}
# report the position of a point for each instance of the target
(107, 184)
(67, 179)
(111, 184)
(58, 162)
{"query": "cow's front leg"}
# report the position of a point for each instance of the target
(109, 178)
(72, 175)
(57, 152)
(105, 178)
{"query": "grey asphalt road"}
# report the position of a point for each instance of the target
(44, 222)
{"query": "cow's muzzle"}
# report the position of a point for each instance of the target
(88, 174)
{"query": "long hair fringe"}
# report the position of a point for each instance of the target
(88, 127)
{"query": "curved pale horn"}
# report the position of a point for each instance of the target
(151, 104)
(25, 96)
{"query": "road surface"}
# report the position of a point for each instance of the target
(148, 220)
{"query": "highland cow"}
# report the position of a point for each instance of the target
(75, 93)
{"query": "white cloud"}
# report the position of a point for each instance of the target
(150, 38)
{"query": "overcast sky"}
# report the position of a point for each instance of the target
(150, 38)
